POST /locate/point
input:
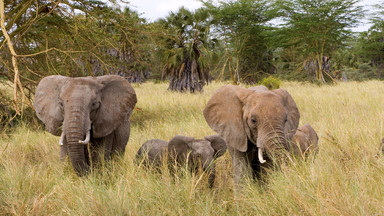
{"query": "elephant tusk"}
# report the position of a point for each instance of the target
(87, 138)
(61, 141)
(260, 154)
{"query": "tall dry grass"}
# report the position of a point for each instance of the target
(345, 178)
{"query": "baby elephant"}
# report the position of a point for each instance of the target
(183, 149)
(305, 140)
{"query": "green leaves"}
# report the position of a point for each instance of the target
(317, 28)
(244, 27)
(186, 49)
(76, 38)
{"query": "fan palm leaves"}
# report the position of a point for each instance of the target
(187, 49)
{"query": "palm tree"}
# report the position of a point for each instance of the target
(186, 49)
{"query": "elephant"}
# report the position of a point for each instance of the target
(305, 140)
(253, 122)
(86, 110)
(184, 149)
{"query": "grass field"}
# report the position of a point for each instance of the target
(345, 178)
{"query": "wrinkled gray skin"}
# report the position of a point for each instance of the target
(185, 149)
(256, 123)
(305, 141)
(86, 110)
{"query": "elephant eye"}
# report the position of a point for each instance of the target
(253, 121)
(95, 104)
(61, 104)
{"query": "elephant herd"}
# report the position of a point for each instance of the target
(258, 126)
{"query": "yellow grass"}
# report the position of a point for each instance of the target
(345, 178)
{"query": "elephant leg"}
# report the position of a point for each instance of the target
(253, 159)
(241, 168)
(101, 148)
(121, 137)
(95, 150)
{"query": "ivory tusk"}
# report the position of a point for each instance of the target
(61, 141)
(87, 138)
(260, 154)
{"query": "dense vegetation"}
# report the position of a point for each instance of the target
(242, 41)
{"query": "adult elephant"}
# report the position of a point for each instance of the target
(83, 110)
(253, 122)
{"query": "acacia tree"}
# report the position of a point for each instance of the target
(243, 25)
(372, 41)
(186, 49)
(75, 38)
(72, 38)
(317, 28)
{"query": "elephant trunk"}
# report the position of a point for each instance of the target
(273, 141)
(212, 175)
(209, 167)
(76, 132)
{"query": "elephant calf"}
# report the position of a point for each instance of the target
(183, 149)
(305, 140)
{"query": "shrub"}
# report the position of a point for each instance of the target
(270, 82)
(363, 72)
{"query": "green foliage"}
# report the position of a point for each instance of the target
(75, 38)
(317, 28)
(9, 120)
(186, 49)
(270, 82)
(363, 72)
(371, 42)
(242, 25)
(6, 111)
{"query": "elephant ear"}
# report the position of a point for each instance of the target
(179, 146)
(118, 99)
(224, 114)
(218, 144)
(47, 101)
(293, 113)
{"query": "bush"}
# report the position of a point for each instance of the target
(6, 111)
(363, 72)
(8, 117)
(270, 82)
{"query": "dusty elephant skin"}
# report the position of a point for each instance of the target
(305, 140)
(86, 109)
(255, 123)
(183, 149)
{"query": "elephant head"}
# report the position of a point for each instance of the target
(77, 107)
(305, 140)
(198, 151)
(204, 151)
(266, 118)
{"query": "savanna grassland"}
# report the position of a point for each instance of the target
(345, 178)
